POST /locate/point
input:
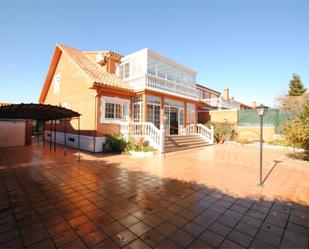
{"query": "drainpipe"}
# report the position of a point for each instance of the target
(95, 118)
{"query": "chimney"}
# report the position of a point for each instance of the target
(226, 94)
(253, 104)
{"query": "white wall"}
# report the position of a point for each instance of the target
(86, 142)
(12, 133)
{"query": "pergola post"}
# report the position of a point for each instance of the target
(55, 135)
(51, 135)
(38, 135)
(78, 140)
(65, 137)
(43, 138)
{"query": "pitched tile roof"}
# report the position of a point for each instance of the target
(91, 69)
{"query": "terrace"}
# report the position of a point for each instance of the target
(116, 201)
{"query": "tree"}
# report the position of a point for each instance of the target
(297, 131)
(296, 86)
(292, 103)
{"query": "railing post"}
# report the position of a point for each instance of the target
(212, 131)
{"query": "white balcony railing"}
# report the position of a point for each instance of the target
(221, 103)
(155, 82)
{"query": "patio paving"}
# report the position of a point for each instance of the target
(206, 198)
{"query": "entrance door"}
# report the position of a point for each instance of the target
(174, 121)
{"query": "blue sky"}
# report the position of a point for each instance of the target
(251, 46)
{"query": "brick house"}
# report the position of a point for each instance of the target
(125, 93)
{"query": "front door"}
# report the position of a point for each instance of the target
(174, 121)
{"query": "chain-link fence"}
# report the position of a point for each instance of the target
(273, 118)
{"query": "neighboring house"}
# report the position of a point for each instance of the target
(14, 132)
(224, 101)
(111, 91)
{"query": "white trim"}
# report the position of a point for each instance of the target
(86, 142)
(114, 100)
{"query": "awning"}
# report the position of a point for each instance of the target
(39, 112)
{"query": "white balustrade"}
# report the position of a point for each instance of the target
(147, 130)
(155, 82)
(190, 129)
(205, 132)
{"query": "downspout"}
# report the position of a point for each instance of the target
(95, 118)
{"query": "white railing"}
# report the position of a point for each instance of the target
(145, 129)
(206, 133)
(156, 82)
(202, 130)
(190, 129)
(221, 103)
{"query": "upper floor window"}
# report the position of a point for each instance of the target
(124, 70)
(56, 82)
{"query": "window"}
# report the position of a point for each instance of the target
(127, 70)
(124, 70)
(137, 109)
(206, 95)
(114, 111)
(153, 110)
(190, 113)
(56, 82)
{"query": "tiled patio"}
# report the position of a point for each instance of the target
(205, 198)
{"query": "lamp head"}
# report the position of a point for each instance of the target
(261, 109)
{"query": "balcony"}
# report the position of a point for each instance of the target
(153, 82)
(222, 103)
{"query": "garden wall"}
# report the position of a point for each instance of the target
(219, 116)
(250, 133)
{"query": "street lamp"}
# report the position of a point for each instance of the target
(261, 110)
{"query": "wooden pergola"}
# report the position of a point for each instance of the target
(42, 113)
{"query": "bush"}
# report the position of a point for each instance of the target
(138, 144)
(243, 141)
(296, 131)
(223, 132)
(280, 142)
(114, 143)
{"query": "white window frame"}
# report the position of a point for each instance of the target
(56, 83)
(115, 100)
(122, 70)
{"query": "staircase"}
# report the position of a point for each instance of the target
(183, 142)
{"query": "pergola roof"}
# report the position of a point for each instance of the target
(38, 112)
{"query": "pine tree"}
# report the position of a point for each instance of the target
(296, 86)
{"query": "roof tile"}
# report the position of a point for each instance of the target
(93, 70)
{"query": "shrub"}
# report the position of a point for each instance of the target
(223, 131)
(280, 142)
(243, 141)
(114, 143)
(138, 144)
(296, 131)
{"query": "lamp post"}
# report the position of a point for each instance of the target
(261, 110)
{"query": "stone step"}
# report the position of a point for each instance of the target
(169, 141)
(183, 142)
(188, 138)
(175, 148)
(177, 143)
